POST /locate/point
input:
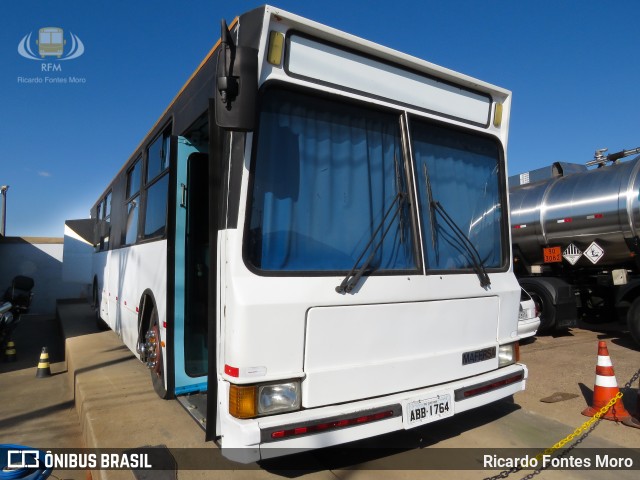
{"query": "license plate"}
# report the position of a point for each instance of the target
(422, 411)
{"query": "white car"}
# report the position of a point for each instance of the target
(528, 317)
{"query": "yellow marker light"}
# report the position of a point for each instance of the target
(242, 401)
(497, 116)
(276, 47)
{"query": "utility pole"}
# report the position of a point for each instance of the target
(3, 223)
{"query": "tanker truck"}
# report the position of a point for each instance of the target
(576, 240)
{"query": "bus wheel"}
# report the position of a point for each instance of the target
(633, 320)
(156, 363)
(545, 306)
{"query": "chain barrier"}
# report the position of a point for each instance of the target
(582, 432)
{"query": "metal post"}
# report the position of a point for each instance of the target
(3, 223)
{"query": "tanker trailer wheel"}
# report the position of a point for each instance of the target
(545, 306)
(633, 320)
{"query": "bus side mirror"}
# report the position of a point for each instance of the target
(236, 84)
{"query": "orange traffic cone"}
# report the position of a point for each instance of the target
(606, 388)
(43, 365)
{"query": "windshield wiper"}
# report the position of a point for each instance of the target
(432, 213)
(354, 275)
(468, 245)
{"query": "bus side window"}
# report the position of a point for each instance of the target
(157, 187)
(132, 204)
(97, 236)
(156, 208)
(157, 157)
(104, 241)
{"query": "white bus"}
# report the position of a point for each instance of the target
(314, 237)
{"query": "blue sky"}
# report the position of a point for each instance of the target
(572, 67)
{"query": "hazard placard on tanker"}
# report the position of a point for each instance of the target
(594, 253)
(572, 254)
(552, 254)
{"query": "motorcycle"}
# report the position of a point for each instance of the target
(16, 301)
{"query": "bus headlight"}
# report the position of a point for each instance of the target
(282, 397)
(508, 354)
(249, 401)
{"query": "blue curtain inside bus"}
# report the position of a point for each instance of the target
(462, 171)
(325, 174)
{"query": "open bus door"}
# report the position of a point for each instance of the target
(198, 208)
(192, 259)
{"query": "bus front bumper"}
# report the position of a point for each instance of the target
(247, 441)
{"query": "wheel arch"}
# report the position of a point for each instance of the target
(145, 306)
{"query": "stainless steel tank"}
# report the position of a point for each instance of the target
(600, 205)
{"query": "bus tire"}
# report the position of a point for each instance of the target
(545, 306)
(157, 372)
(633, 320)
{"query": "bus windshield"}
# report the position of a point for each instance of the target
(460, 171)
(325, 174)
